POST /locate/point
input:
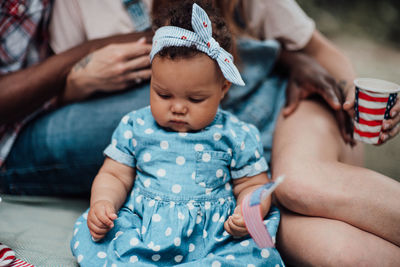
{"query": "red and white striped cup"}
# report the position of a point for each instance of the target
(373, 101)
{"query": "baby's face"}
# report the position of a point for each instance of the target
(185, 93)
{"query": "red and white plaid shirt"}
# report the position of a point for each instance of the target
(24, 42)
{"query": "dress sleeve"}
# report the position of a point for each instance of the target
(66, 26)
(123, 142)
(283, 20)
(247, 157)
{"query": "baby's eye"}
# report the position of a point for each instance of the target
(196, 100)
(164, 96)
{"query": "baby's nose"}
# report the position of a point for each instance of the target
(179, 108)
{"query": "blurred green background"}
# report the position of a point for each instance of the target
(378, 20)
(368, 32)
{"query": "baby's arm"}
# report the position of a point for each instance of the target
(109, 190)
(235, 225)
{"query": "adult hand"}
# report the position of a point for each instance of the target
(112, 68)
(391, 127)
(307, 77)
(100, 218)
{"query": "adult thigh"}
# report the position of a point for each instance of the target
(319, 182)
(307, 145)
(314, 241)
(312, 131)
(60, 152)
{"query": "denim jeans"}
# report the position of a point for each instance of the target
(60, 153)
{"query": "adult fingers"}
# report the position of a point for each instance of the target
(394, 114)
(142, 40)
(134, 49)
(394, 131)
(127, 80)
(137, 76)
(293, 97)
(385, 136)
(348, 105)
(345, 126)
(137, 63)
(395, 111)
(328, 89)
(387, 125)
(390, 127)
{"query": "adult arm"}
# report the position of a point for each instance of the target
(335, 62)
(110, 69)
(320, 68)
(26, 90)
(306, 55)
(113, 68)
(340, 67)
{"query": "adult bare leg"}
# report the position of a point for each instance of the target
(321, 180)
(315, 241)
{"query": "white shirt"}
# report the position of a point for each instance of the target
(76, 21)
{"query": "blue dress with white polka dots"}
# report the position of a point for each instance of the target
(181, 198)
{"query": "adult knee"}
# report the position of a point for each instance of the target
(297, 193)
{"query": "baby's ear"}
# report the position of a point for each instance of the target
(225, 87)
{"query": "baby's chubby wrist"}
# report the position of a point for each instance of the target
(103, 203)
(265, 204)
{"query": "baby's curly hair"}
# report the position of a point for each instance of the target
(179, 14)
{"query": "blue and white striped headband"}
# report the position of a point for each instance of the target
(202, 38)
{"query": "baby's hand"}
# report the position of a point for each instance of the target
(235, 225)
(100, 218)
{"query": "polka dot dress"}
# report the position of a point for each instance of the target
(181, 198)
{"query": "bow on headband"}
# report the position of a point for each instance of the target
(202, 38)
